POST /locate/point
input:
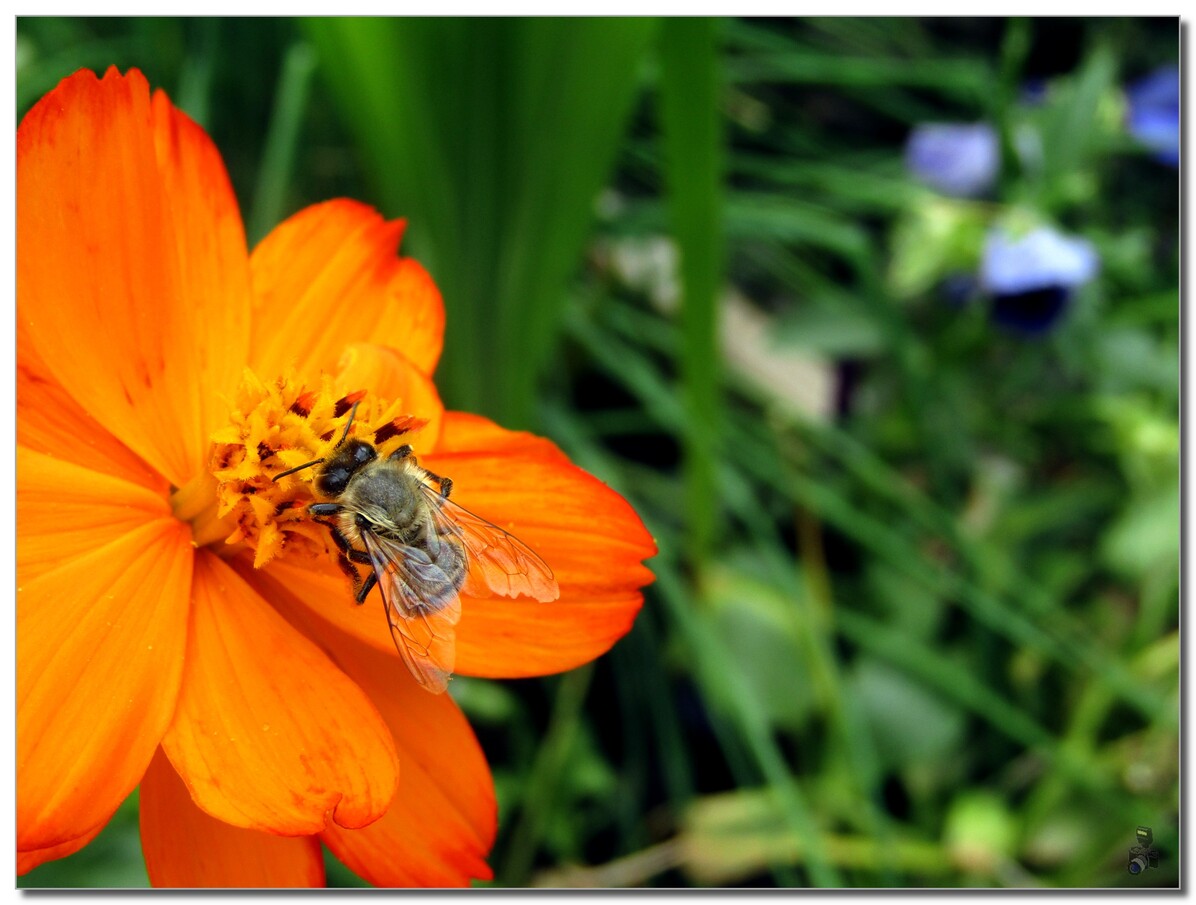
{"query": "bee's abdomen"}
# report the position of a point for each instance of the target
(450, 557)
(445, 573)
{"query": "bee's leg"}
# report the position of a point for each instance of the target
(323, 513)
(446, 484)
(348, 556)
(350, 571)
(366, 586)
(351, 554)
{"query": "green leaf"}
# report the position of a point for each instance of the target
(893, 703)
(1070, 124)
(933, 240)
(1145, 538)
(758, 625)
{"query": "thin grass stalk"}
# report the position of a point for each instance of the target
(544, 776)
(1015, 46)
(691, 119)
(195, 80)
(282, 140)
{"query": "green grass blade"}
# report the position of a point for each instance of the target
(1014, 48)
(282, 139)
(779, 59)
(692, 132)
(536, 811)
(195, 81)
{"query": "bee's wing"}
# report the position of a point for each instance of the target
(422, 608)
(498, 563)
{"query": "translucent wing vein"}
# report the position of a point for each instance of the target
(422, 609)
(498, 562)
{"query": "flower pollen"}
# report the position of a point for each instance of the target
(278, 426)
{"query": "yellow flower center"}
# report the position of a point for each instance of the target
(275, 427)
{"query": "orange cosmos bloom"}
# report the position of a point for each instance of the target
(180, 622)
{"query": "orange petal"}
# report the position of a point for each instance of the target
(466, 433)
(442, 821)
(329, 276)
(391, 376)
(588, 534)
(65, 511)
(50, 421)
(328, 594)
(132, 272)
(26, 861)
(184, 847)
(269, 734)
(100, 645)
(444, 816)
(27, 358)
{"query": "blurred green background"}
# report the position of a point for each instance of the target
(915, 617)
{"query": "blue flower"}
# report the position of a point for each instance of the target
(954, 158)
(1031, 276)
(1154, 113)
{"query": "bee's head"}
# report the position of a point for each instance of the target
(342, 465)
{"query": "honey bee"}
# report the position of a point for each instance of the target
(423, 549)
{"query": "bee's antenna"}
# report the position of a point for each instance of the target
(349, 423)
(289, 471)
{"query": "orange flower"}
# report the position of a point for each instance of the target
(177, 626)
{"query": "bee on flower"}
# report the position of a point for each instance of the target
(214, 654)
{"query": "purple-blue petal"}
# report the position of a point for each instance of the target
(957, 159)
(1041, 259)
(1153, 116)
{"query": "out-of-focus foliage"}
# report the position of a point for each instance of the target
(926, 631)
